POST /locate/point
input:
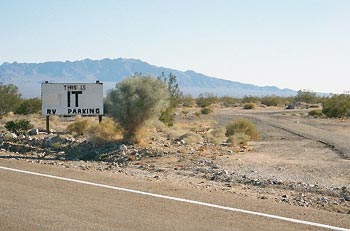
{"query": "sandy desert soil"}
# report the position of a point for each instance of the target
(298, 160)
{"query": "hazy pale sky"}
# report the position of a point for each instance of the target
(286, 43)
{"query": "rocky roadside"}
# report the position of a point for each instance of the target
(174, 160)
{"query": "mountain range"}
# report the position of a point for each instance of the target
(29, 76)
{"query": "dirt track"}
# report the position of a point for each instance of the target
(296, 148)
(334, 133)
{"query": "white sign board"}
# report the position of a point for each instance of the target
(72, 98)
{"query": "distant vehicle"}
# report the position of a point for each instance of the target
(290, 106)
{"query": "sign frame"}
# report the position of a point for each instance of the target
(71, 99)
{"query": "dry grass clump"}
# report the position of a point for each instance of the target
(143, 136)
(106, 131)
(249, 106)
(238, 139)
(7, 117)
(216, 136)
(79, 127)
(174, 133)
(10, 114)
(317, 113)
(98, 133)
(243, 126)
(191, 138)
(170, 133)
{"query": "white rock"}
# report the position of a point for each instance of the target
(123, 148)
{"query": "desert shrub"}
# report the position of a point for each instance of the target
(244, 126)
(10, 98)
(316, 113)
(18, 126)
(29, 106)
(106, 106)
(191, 138)
(271, 100)
(78, 127)
(250, 99)
(168, 115)
(227, 101)
(307, 97)
(104, 132)
(136, 101)
(205, 100)
(206, 110)
(238, 139)
(249, 106)
(337, 106)
(216, 136)
(187, 101)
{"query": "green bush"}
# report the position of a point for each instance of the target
(206, 110)
(187, 101)
(78, 127)
(29, 106)
(227, 101)
(307, 97)
(106, 106)
(10, 98)
(316, 113)
(205, 100)
(244, 126)
(168, 115)
(18, 126)
(249, 106)
(271, 100)
(337, 106)
(137, 101)
(250, 99)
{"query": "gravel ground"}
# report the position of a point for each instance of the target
(298, 160)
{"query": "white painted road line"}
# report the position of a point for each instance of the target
(182, 200)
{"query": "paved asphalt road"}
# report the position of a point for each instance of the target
(29, 202)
